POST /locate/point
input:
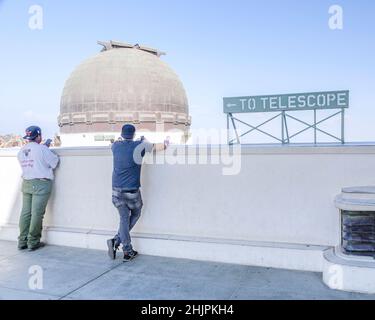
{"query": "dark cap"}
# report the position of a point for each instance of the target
(32, 133)
(128, 131)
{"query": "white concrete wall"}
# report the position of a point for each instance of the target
(88, 139)
(278, 211)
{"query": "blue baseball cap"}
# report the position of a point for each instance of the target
(128, 131)
(32, 133)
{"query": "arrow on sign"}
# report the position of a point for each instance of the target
(230, 105)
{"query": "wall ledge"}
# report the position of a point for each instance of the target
(350, 148)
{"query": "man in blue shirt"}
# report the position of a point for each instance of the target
(126, 195)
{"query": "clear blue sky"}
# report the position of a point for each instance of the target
(218, 48)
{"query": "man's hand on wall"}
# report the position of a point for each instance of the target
(162, 146)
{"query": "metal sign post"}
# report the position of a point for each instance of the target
(283, 105)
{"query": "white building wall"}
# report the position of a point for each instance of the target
(103, 139)
(278, 211)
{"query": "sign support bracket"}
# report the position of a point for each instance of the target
(284, 104)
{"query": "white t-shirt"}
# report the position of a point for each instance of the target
(37, 161)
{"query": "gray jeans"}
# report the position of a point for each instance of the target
(129, 206)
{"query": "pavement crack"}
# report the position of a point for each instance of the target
(232, 296)
(90, 281)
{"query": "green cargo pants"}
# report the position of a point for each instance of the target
(35, 198)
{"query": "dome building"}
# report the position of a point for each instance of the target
(123, 84)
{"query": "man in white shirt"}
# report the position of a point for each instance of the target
(37, 163)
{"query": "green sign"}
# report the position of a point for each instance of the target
(288, 102)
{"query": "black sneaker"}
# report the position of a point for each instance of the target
(22, 247)
(130, 255)
(111, 248)
(36, 247)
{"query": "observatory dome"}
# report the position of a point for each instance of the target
(123, 84)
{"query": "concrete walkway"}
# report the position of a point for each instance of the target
(70, 273)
